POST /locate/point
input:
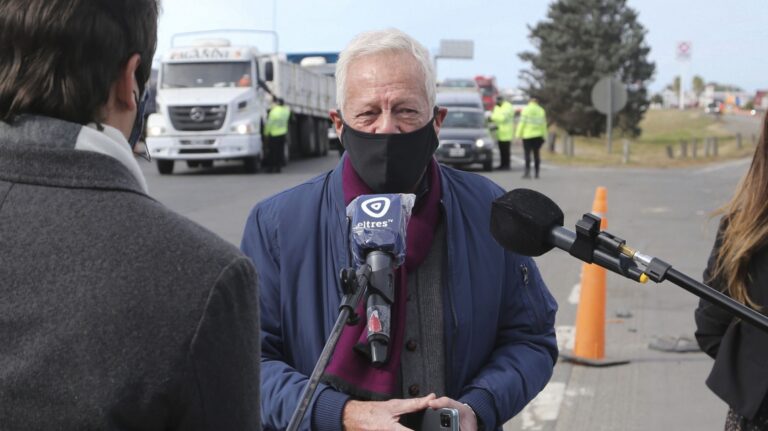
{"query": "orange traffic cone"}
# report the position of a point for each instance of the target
(589, 344)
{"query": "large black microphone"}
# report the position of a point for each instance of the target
(529, 223)
(379, 224)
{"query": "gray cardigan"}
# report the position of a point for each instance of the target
(115, 313)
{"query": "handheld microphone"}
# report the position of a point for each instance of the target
(379, 224)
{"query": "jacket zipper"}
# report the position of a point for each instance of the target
(449, 286)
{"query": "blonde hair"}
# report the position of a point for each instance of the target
(384, 41)
(747, 228)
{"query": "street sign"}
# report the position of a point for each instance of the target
(457, 48)
(684, 50)
(609, 94)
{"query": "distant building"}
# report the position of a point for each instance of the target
(729, 97)
(671, 99)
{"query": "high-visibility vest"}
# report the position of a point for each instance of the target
(277, 121)
(504, 117)
(533, 122)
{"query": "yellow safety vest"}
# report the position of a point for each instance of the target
(277, 121)
(504, 118)
(533, 122)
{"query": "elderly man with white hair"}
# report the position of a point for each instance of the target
(474, 332)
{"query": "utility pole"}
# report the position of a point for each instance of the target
(683, 56)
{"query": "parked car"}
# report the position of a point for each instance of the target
(465, 139)
(713, 108)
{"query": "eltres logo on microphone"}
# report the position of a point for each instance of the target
(376, 207)
(375, 212)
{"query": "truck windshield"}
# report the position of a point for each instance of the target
(221, 74)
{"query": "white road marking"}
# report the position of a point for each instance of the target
(565, 335)
(544, 408)
(655, 210)
(722, 166)
(573, 298)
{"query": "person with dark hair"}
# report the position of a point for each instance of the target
(738, 267)
(117, 313)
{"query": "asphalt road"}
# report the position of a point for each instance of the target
(665, 213)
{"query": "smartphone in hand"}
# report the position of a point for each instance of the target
(444, 419)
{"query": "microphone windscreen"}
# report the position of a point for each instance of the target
(379, 222)
(522, 219)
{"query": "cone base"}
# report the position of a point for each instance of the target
(605, 362)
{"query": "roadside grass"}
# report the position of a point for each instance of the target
(663, 131)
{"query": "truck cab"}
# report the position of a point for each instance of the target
(210, 107)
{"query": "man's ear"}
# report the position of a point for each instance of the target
(337, 122)
(120, 109)
(439, 117)
(124, 89)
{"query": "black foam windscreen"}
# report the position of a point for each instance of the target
(522, 219)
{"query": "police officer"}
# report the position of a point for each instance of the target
(532, 128)
(276, 131)
(503, 117)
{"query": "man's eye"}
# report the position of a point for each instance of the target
(409, 112)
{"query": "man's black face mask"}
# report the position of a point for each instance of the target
(390, 162)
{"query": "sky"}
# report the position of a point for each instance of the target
(727, 37)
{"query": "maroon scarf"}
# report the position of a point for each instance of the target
(349, 370)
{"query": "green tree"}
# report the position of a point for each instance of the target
(580, 42)
(698, 85)
(675, 85)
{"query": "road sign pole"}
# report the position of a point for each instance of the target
(609, 96)
(682, 101)
(609, 131)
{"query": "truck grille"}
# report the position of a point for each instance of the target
(198, 118)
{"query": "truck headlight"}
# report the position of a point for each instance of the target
(244, 129)
(155, 130)
(480, 143)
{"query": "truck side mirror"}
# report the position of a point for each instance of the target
(269, 71)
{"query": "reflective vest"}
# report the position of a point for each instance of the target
(277, 121)
(533, 122)
(504, 118)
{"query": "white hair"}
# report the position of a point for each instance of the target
(390, 40)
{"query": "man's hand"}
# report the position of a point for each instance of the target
(381, 415)
(467, 418)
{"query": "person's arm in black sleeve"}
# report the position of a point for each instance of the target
(223, 363)
(711, 320)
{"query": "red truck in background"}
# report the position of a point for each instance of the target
(488, 90)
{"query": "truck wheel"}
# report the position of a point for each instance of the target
(252, 165)
(308, 136)
(165, 167)
(322, 136)
(286, 154)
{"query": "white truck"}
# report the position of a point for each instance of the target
(213, 99)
